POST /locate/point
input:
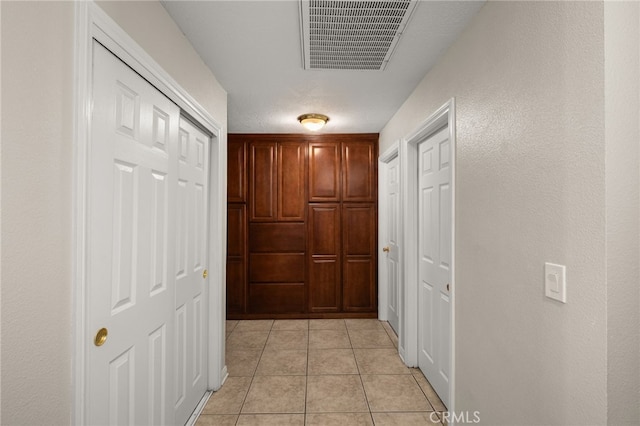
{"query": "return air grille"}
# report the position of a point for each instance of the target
(352, 35)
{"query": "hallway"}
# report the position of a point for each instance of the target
(318, 372)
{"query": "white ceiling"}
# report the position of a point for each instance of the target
(254, 50)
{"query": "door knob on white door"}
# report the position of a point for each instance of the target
(385, 249)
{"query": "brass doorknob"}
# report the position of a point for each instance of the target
(205, 273)
(101, 337)
(385, 249)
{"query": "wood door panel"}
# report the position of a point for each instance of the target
(277, 298)
(277, 237)
(359, 289)
(236, 286)
(236, 171)
(276, 267)
(324, 229)
(324, 171)
(291, 181)
(359, 229)
(236, 230)
(324, 284)
(358, 171)
(264, 173)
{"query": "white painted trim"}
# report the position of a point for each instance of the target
(444, 116)
(93, 23)
(383, 176)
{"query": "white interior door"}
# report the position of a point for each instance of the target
(434, 246)
(392, 245)
(147, 253)
(191, 307)
(131, 285)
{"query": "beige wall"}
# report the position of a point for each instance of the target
(528, 79)
(37, 164)
(622, 136)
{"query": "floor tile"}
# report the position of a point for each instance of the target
(217, 420)
(290, 325)
(363, 324)
(368, 338)
(242, 362)
(282, 363)
(247, 339)
(331, 361)
(228, 400)
(271, 420)
(327, 324)
(394, 393)
(254, 325)
(276, 394)
(339, 419)
(329, 339)
(380, 361)
(326, 394)
(288, 339)
(432, 396)
(406, 419)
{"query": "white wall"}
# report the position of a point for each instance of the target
(528, 78)
(37, 163)
(622, 135)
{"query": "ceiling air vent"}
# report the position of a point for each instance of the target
(352, 35)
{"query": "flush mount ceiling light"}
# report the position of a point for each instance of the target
(313, 122)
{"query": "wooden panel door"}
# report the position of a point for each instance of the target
(236, 171)
(236, 258)
(359, 171)
(291, 181)
(324, 172)
(263, 171)
(359, 259)
(324, 258)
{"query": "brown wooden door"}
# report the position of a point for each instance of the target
(358, 171)
(236, 171)
(236, 258)
(359, 259)
(263, 173)
(324, 258)
(324, 172)
(291, 181)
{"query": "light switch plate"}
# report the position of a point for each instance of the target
(555, 282)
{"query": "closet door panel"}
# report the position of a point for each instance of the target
(236, 171)
(236, 258)
(264, 173)
(358, 171)
(324, 258)
(291, 181)
(324, 171)
(359, 257)
(277, 298)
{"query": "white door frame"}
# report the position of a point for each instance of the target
(383, 284)
(91, 23)
(444, 116)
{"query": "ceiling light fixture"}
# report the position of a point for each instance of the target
(313, 122)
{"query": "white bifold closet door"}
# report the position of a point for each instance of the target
(146, 252)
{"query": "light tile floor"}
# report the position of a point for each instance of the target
(319, 372)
